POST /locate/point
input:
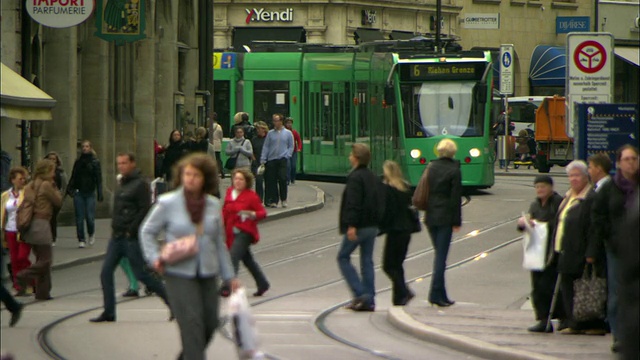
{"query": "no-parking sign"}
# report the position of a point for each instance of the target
(589, 71)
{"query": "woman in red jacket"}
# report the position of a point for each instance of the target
(241, 211)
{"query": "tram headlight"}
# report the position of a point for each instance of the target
(415, 153)
(475, 152)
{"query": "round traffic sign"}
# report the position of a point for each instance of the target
(506, 59)
(590, 56)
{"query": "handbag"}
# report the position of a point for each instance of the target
(245, 335)
(421, 195)
(183, 248)
(230, 164)
(415, 220)
(589, 296)
(24, 215)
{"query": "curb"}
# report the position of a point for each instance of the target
(403, 321)
(316, 205)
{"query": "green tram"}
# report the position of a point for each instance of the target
(399, 97)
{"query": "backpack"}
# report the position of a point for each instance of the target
(26, 208)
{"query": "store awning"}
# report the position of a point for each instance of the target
(245, 35)
(401, 35)
(367, 35)
(21, 100)
(548, 66)
(630, 54)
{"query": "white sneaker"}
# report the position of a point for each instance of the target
(284, 204)
(82, 244)
(92, 240)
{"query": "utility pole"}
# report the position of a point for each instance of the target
(438, 17)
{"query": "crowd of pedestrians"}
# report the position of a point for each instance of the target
(588, 235)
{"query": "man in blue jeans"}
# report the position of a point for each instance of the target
(359, 224)
(85, 183)
(132, 200)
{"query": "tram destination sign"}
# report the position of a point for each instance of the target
(442, 71)
(604, 128)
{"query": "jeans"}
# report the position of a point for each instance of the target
(363, 289)
(275, 177)
(291, 168)
(118, 248)
(241, 250)
(85, 207)
(395, 251)
(441, 239)
(612, 291)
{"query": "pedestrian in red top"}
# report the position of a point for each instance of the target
(297, 147)
(241, 212)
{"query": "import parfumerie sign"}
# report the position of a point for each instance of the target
(59, 13)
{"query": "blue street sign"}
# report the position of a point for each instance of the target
(603, 128)
(228, 61)
(506, 59)
(567, 24)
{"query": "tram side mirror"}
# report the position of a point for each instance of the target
(481, 92)
(389, 95)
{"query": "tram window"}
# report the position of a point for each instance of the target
(222, 102)
(362, 109)
(270, 97)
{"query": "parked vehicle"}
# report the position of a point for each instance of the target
(554, 146)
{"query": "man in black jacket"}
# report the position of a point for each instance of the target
(543, 282)
(359, 219)
(131, 202)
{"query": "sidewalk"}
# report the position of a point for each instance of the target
(301, 198)
(495, 333)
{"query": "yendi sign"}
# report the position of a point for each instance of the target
(59, 13)
(262, 15)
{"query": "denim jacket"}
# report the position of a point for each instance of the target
(170, 215)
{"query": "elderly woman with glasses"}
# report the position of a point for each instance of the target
(570, 241)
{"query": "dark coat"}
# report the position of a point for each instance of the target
(575, 236)
(173, 153)
(360, 203)
(86, 176)
(131, 202)
(546, 213)
(397, 216)
(445, 193)
(607, 218)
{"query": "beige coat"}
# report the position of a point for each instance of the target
(215, 137)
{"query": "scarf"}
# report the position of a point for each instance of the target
(627, 187)
(195, 206)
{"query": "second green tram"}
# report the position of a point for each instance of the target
(398, 98)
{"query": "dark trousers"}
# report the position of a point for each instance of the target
(118, 248)
(291, 168)
(194, 303)
(40, 271)
(275, 178)
(441, 239)
(54, 224)
(241, 250)
(259, 180)
(219, 162)
(395, 251)
(566, 288)
(5, 296)
(543, 284)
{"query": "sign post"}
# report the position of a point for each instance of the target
(506, 89)
(589, 72)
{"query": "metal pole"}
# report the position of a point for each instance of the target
(438, 16)
(505, 142)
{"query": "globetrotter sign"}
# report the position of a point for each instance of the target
(589, 71)
(262, 15)
(59, 13)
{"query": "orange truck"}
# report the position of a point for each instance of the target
(554, 146)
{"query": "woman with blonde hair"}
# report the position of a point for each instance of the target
(60, 179)
(47, 200)
(398, 223)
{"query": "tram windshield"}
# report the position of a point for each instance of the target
(441, 108)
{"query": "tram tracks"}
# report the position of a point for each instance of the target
(320, 321)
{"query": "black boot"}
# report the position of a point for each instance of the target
(541, 327)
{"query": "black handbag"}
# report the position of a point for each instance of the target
(589, 296)
(230, 164)
(415, 220)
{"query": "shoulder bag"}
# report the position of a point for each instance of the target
(589, 296)
(183, 248)
(230, 164)
(421, 195)
(25, 210)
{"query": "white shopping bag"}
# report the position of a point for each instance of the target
(244, 328)
(535, 245)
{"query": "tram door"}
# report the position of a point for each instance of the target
(270, 97)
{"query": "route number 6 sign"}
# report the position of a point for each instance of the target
(589, 78)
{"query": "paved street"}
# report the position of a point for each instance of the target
(303, 306)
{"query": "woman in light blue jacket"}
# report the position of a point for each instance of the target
(241, 149)
(192, 284)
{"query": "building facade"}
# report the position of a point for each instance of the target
(120, 96)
